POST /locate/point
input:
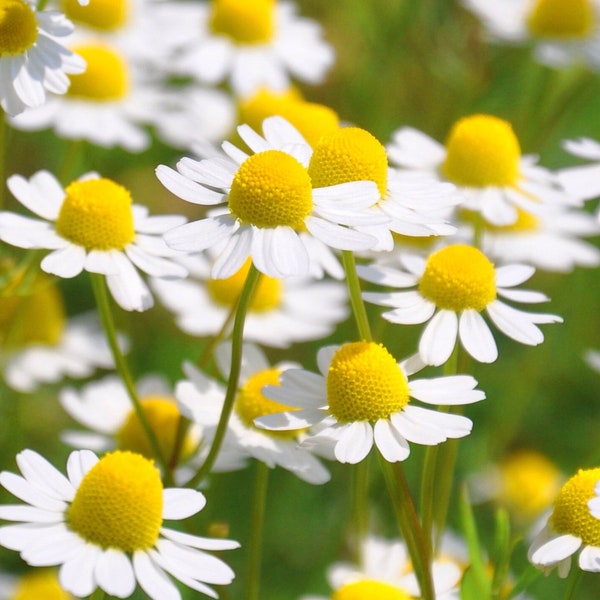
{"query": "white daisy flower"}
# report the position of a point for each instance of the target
(104, 525)
(450, 290)
(271, 203)
(33, 585)
(562, 33)
(32, 61)
(92, 225)
(363, 396)
(582, 181)
(250, 44)
(410, 204)
(571, 527)
(104, 407)
(385, 572)
(551, 242)
(282, 311)
(272, 448)
(483, 158)
(39, 344)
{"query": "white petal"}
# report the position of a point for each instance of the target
(439, 337)
(186, 189)
(516, 324)
(452, 390)
(556, 549)
(152, 578)
(355, 442)
(512, 275)
(181, 503)
(195, 541)
(476, 337)
(339, 237)
(78, 464)
(279, 252)
(200, 235)
(38, 471)
(524, 296)
(77, 575)
(67, 262)
(390, 442)
(114, 573)
(24, 490)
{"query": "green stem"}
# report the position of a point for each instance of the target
(71, 160)
(108, 324)
(360, 506)
(259, 502)
(358, 306)
(573, 582)
(97, 594)
(234, 375)
(408, 523)
(428, 492)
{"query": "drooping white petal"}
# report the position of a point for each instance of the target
(77, 575)
(24, 490)
(279, 252)
(390, 442)
(439, 337)
(202, 234)
(67, 262)
(152, 578)
(355, 442)
(186, 189)
(195, 541)
(589, 558)
(38, 471)
(446, 391)
(512, 275)
(516, 324)
(555, 549)
(180, 503)
(114, 573)
(476, 337)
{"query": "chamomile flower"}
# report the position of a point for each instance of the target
(32, 61)
(449, 291)
(272, 448)
(281, 312)
(104, 525)
(40, 344)
(582, 181)
(412, 204)
(562, 33)
(570, 528)
(92, 225)
(271, 204)
(482, 156)
(250, 44)
(362, 395)
(385, 573)
(550, 242)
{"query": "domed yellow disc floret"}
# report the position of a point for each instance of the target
(271, 189)
(364, 383)
(96, 214)
(119, 503)
(312, 120)
(458, 278)
(560, 19)
(105, 78)
(18, 27)
(244, 21)
(104, 15)
(482, 150)
(40, 585)
(251, 403)
(349, 154)
(571, 514)
(529, 482)
(267, 295)
(369, 590)
(162, 415)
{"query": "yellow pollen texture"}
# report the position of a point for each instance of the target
(18, 27)
(369, 590)
(482, 150)
(349, 154)
(251, 403)
(40, 585)
(244, 21)
(104, 15)
(163, 417)
(458, 278)
(96, 214)
(561, 19)
(267, 295)
(119, 503)
(105, 78)
(312, 120)
(571, 513)
(364, 383)
(271, 189)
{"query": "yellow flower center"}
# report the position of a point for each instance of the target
(18, 27)
(267, 295)
(104, 15)
(561, 19)
(458, 278)
(105, 78)
(312, 120)
(525, 222)
(40, 585)
(96, 214)
(244, 21)
(349, 154)
(482, 150)
(163, 416)
(271, 189)
(119, 503)
(529, 483)
(571, 514)
(364, 383)
(367, 589)
(250, 402)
